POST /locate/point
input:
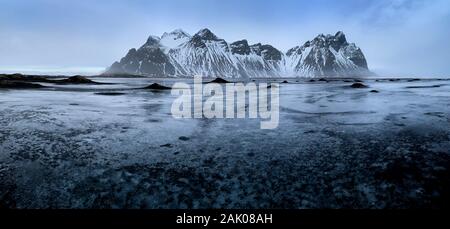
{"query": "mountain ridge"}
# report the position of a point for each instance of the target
(178, 54)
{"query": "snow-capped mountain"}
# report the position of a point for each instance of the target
(179, 54)
(174, 39)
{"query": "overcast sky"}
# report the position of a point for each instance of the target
(398, 37)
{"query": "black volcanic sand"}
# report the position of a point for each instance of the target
(45, 79)
(334, 148)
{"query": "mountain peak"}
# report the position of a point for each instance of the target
(206, 34)
(340, 37)
(339, 33)
(177, 33)
(152, 41)
(174, 39)
(240, 47)
(336, 41)
(243, 41)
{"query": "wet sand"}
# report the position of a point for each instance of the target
(107, 146)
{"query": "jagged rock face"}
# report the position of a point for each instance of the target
(150, 59)
(204, 54)
(268, 52)
(179, 54)
(240, 47)
(328, 56)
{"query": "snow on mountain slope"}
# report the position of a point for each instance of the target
(150, 59)
(257, 60)
(174, 39)
(204, 54)
(328, 56)
(179, 54)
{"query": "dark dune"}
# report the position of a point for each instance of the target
(413, 80)
(45, 79)
(156, 86)
(219, 80)
(358, 85)
(270, 86)
(8, 84)
(121, 75)
(75, 80)
(24, 78)
(426, 86)
(110, 93)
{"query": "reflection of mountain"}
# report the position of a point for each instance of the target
(179, 54)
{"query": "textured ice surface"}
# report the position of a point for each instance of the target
(336, 147)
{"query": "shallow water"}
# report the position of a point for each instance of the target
(335, 147)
